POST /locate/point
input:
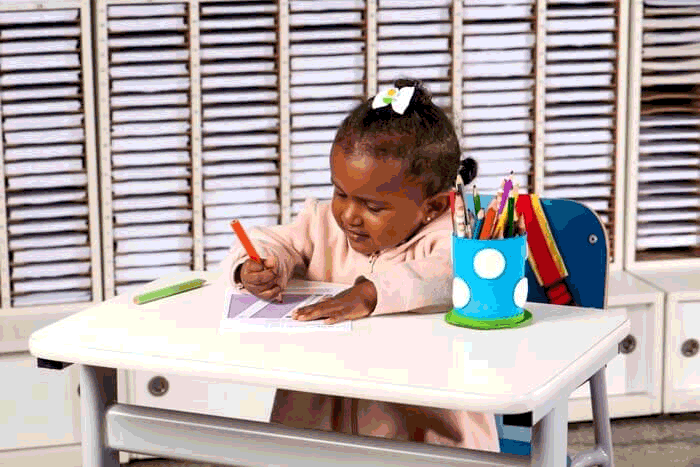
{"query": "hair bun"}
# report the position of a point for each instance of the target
(421, 95)
(467, 170)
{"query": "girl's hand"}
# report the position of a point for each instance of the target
(263, 281)
(356, 302)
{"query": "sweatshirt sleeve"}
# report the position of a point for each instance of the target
(419, 283)
(291, 244)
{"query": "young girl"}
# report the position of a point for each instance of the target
(387, 231)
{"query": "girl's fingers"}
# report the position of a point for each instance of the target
(263, 277)
(269, 294)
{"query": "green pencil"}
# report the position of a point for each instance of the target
(168, 291)
(510, 225)
(477, 200)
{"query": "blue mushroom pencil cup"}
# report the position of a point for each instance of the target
(489, 287)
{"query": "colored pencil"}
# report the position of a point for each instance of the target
(168, 291)
(479, 222)
(489, 220)
(245, 241)
(477, 199)
(510, 224)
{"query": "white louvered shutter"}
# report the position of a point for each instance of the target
(327, 73)
(49, 159)
(498, 85)
(580, 110)
(149, 126)
(413, 41)
(667, 186)
(240, 120)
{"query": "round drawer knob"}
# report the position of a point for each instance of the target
(592, 239)
(690, 348)
(78, 390)
(158, 386)
(628, 344)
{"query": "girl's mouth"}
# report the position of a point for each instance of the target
(355, 237)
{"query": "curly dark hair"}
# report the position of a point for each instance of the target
(423, 137)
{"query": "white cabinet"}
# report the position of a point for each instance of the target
(634, 376)
(38, 407)
(682, 333)
(682, 359)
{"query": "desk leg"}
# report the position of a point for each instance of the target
(603, 453)
(98, 390)
(550, 437)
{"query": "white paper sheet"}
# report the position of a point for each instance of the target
(125, 275)
(241, 125)
(52, 298)
(241, 210)
(50, 241)
(41, 212)
(245, 312)
(218, 226)
(318, 192)
(77, 268)
(152, 259)
(311, 177)
(138, 11)
(150, 187)
(240, 196)
(156, 244)
(151, 216)
(50, 285)
(145, 144)
(47, 181)
(318, 121)
(243, 181)
(243, 154)
(151, 173)
(150, 158)
(146, 231)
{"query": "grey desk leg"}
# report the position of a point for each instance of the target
(98, 390)
(603, 453)
(550, 438)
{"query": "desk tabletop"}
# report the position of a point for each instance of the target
(407, 358)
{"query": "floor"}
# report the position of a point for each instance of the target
(667, 440)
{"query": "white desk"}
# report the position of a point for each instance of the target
(408, 358)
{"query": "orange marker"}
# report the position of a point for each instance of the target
(245, 241)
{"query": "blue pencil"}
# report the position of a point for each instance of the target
(479, 223)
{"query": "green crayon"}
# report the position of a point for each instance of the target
(510, 225)
(168, 291)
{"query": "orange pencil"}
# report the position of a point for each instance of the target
(245, 241)
(489, 220)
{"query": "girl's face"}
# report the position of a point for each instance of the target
(373, 203)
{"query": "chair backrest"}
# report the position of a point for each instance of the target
(583, 244)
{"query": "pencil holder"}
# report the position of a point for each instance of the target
(489, 287)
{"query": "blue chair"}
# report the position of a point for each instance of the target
(582, 242)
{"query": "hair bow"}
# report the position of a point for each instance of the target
(398, 98)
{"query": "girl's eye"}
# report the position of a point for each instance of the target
(339, 193)
(373, 208)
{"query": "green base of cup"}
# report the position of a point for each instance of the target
(513, 322)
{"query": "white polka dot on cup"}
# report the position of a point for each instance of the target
(460, 293)
(520, 293)
(489, 263)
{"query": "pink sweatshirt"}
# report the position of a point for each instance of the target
(413, 276)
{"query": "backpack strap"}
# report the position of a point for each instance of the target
(545, 259)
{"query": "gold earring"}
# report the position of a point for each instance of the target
(429, 219)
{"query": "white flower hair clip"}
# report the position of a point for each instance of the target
(398, 98)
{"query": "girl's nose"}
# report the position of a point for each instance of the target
(351, 214)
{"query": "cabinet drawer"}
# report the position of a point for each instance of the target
(682, 356)
(38, 407)
(633, 377)
(206, 396)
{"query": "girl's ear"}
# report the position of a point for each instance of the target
(434, 206)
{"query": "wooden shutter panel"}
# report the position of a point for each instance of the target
(50, 246)
(327, 73)
(498, 90)
(240, 120)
